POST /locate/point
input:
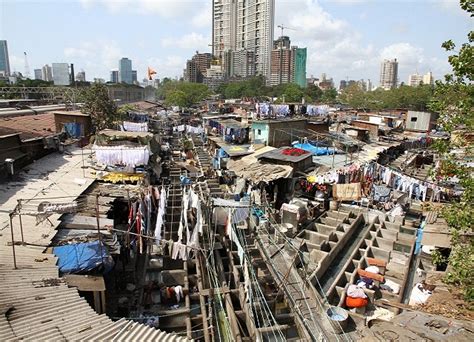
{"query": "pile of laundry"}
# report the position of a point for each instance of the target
(356, 297)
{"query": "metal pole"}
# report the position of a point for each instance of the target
(13, 241)
(21, 222)
(83, 166)
(98, 225)
(21, 230)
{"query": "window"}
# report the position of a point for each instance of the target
(413, 119)
(259, 131)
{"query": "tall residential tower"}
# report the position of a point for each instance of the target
(389, 74)
(244, 25)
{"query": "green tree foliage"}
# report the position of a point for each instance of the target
(453, 99)
(183, 94)
(98, 104)
(414, 98)
(252, 87)
(329, 95)
(123, 110)
(313, 93)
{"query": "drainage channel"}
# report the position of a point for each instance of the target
(341, 258)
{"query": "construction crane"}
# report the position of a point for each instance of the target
(27, 66)
(280, 73)
(283, 27)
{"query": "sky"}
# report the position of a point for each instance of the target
(346, 39)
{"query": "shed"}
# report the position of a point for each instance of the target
(420, 121)
(278, 133)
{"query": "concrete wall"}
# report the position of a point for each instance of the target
(61, 119)
(283, 133)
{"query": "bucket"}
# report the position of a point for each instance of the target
(338, 318)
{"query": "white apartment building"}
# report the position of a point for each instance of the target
(244, 25)
(428, 78)
(389, 74)
(416, 79)
(46, 73)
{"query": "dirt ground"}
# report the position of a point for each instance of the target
(449, 303)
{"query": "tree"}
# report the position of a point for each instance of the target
(183, 94)
(292, 92)
(329, 95)
(453, 99)
(97, 103)
(313, 93)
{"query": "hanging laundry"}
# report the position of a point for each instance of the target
(122, 155)
(135, 126)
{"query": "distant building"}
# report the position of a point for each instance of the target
(428, 78)
(134, 77)
(281, 65)
(38, 75)
(214, 77)
(299, 66)
(125, 73)
(325, 83)
(240, 63)
(196, 67)
(81, 76)
(124, 94)
(288, 63)
(114, 76)
(46, 73)
(60, 73)
(389, 74)
(416, 79)
(244, 25)
(4, 59)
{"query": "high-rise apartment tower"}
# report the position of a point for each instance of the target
(244, 25)
(389, 74)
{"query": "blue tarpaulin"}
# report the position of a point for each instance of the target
(83, 257)
(315, 150)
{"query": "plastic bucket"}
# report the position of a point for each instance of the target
(338, 318)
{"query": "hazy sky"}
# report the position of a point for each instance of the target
(345, 38)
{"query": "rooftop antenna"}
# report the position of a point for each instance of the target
(27, 66)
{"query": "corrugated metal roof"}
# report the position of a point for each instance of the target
(35, 303)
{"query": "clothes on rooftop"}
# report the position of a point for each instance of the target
(134, 126)
(122, 155)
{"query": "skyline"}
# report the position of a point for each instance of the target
(345, 39)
